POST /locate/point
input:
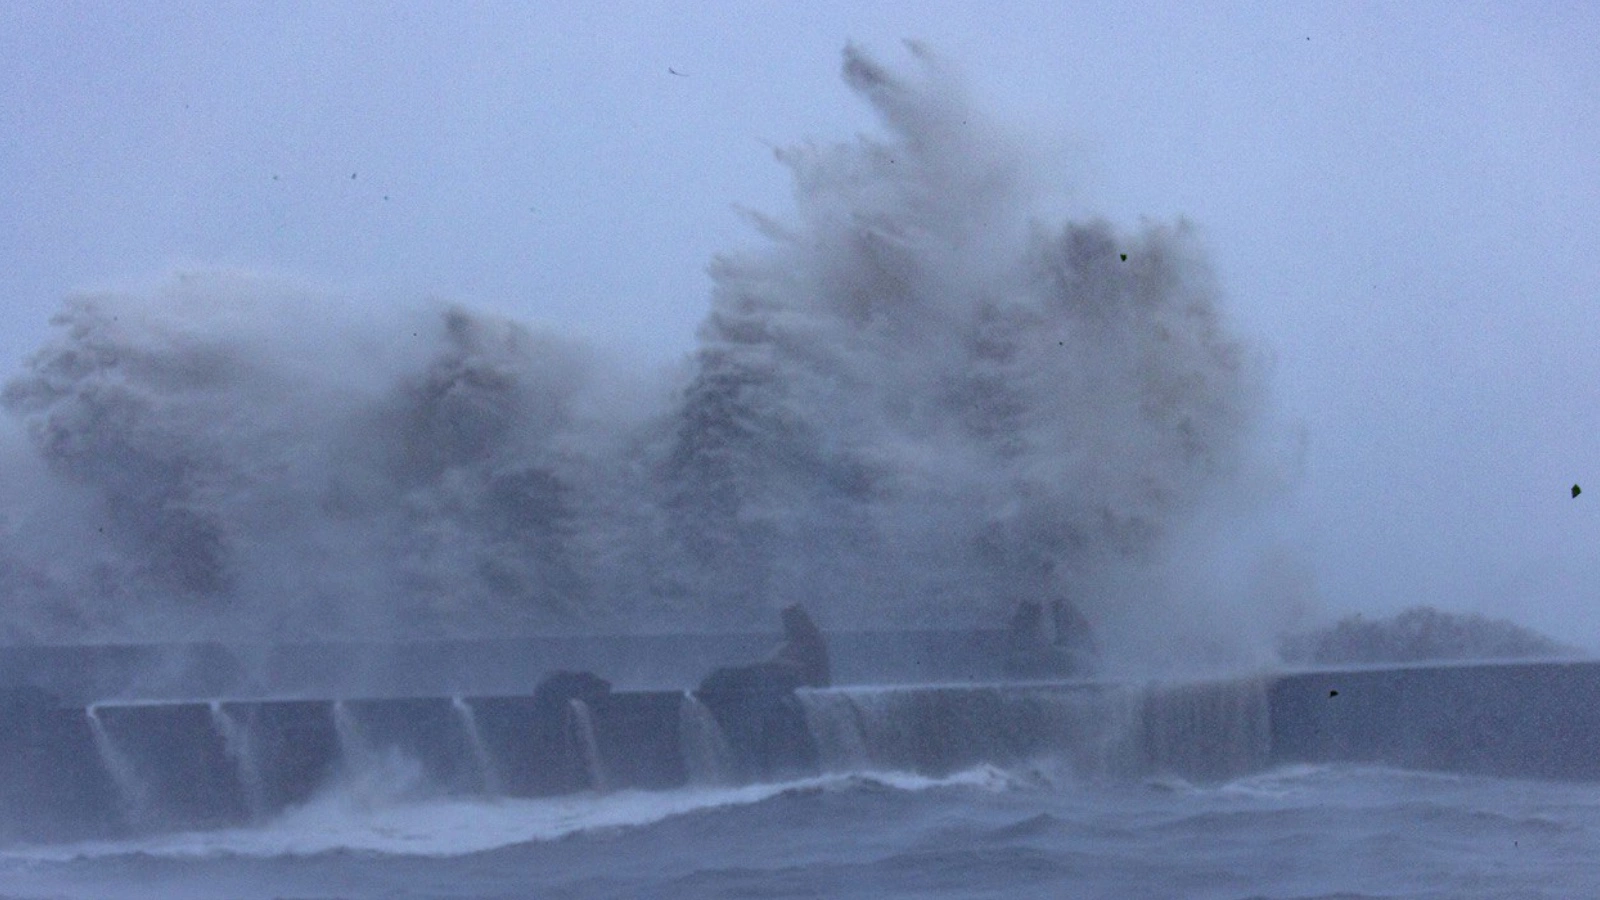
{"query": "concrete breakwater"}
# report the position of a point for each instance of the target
(512, 665)
(110, 768)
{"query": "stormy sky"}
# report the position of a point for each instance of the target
(1399, 203)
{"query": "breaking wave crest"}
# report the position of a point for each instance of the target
(345, 819)
(912, 402)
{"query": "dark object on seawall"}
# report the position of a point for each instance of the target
(803, 649)
(1057, 646)
(756, 707)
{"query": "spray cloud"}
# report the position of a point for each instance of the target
(911, 405)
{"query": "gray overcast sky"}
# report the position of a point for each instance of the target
(1402, 201)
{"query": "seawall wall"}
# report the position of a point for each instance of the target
(110, 768)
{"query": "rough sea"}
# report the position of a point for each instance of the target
(912, 406)
(1037, 831)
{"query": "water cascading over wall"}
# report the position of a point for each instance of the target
(68, 771)
(121, 768)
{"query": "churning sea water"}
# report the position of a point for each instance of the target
(1034, 831)
(912, 406)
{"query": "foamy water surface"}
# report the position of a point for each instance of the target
(1306, 831)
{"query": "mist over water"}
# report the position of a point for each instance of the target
(912, 403)
(243, 459)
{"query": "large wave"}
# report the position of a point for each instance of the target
(911, 403)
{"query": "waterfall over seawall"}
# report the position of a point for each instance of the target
(118, 768)
(707, 756)
(1204, 731)
(488, 774)
(236, 741)
(106, 769)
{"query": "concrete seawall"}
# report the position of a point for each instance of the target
(110, 768)
(1522, 719)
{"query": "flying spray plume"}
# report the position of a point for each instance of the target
(911, 404)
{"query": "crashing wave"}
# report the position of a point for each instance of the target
(912, 403)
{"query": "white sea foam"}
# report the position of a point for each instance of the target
(352, 818)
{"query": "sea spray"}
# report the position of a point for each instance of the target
(915, 395)
(914, 403)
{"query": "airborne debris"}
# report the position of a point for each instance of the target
(1576, 490)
